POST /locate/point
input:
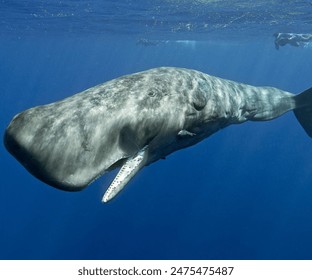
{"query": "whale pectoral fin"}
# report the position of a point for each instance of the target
(184, 133)
(131, 167)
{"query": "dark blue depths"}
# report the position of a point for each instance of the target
(244, 193)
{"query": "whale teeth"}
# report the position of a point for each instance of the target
(131, 167)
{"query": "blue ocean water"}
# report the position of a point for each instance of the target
(243, 193)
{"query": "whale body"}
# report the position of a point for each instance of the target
(135, 120)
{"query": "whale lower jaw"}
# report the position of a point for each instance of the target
(128, 170)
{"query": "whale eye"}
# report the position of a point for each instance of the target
(151, 93)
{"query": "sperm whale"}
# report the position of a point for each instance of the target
(135, 120)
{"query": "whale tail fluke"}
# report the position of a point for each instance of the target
(303, 110)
